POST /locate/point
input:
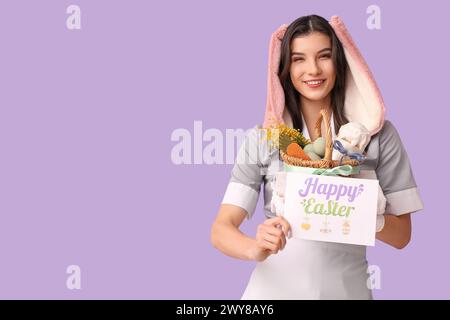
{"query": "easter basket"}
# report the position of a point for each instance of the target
(294, 163)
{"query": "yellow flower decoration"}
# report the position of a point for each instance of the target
(280, 136)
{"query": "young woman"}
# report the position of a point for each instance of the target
(314, 64)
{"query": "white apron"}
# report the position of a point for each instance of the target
(308, 269)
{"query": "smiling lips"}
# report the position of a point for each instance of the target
(314, 83)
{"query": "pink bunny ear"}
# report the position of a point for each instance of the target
(363, 100)
(275, 94)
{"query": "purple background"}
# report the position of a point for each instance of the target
(86, 118)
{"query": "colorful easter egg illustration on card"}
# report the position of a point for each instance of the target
(305, 224)
(325, 228)
(346, 227)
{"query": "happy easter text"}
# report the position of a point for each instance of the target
(330, 208)
(330, 190)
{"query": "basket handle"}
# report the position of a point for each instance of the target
(328, 138)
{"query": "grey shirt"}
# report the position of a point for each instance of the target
(315, 269)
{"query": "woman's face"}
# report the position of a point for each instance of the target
(312, 70)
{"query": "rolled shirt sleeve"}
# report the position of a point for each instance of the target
(395, 174)
(248, 173)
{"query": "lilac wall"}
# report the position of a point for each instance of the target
(86, 118)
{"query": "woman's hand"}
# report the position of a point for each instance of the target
(270, 238)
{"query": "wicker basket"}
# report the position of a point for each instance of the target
(326, 162)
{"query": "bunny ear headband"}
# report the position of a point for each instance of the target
(363, 100)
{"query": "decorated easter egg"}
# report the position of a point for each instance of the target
(313, 156)
(319, 146)
(309, 148)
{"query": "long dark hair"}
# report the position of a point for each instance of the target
(300, 27)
